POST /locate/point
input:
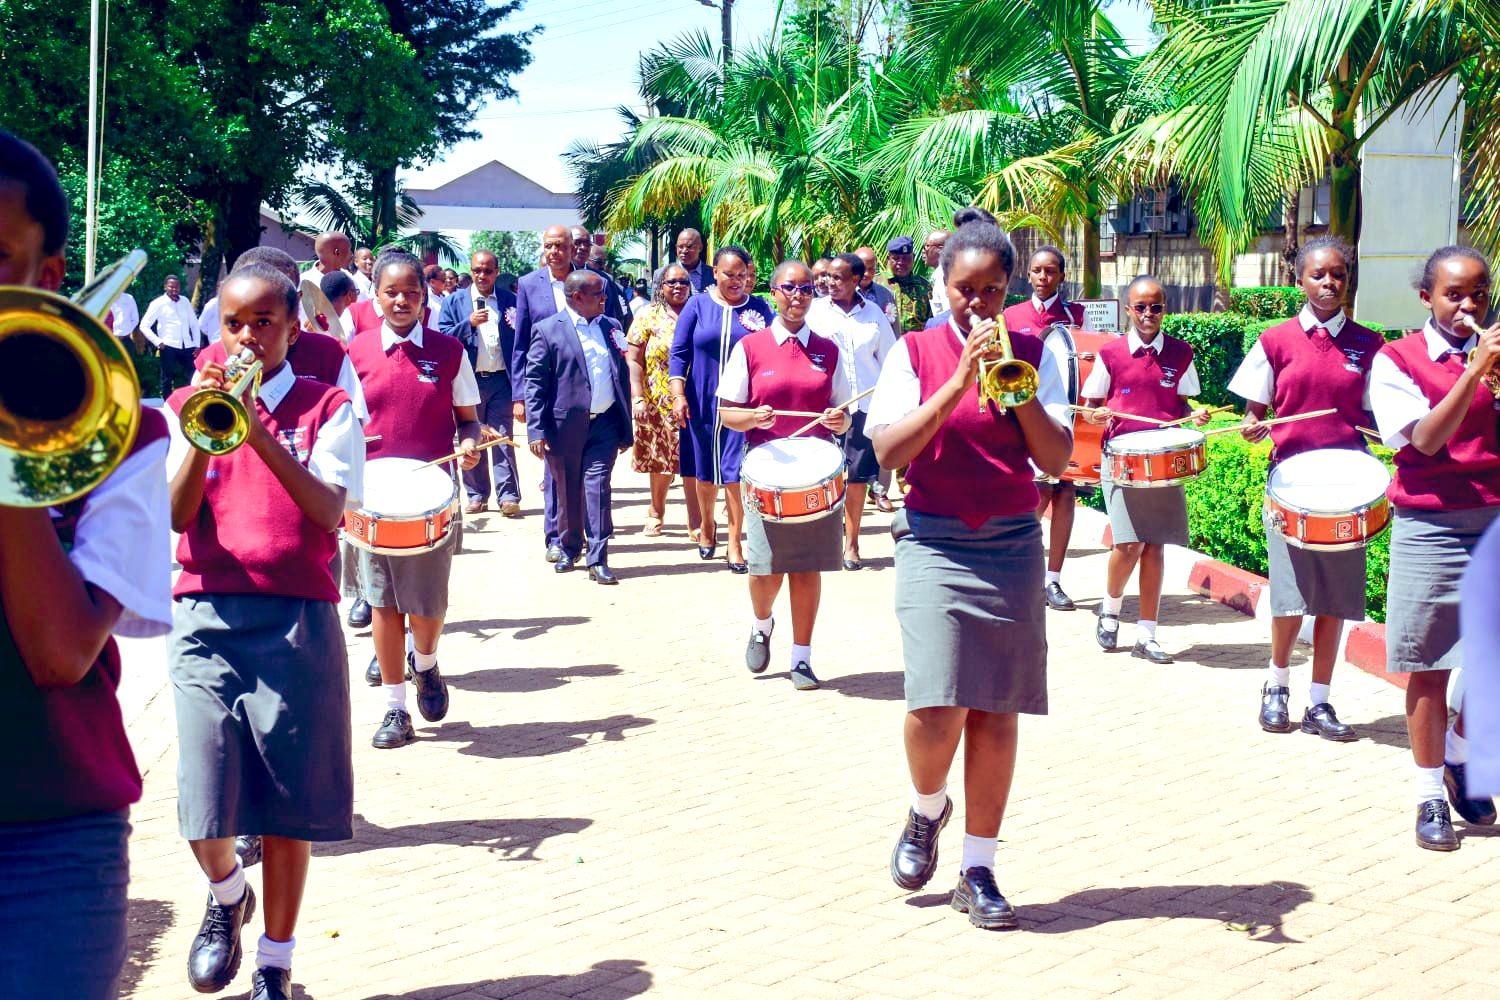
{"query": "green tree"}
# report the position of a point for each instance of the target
(517, 253)
(133, 213)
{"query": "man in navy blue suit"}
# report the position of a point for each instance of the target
(482, 317)
(578, 417)
(689, 247)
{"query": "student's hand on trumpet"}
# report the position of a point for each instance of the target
(977, 345)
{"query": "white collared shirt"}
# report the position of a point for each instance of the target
(171, 324)
(899, 390)
(939, 296)
(1041, 306)
(364, 283)
(1254, 381)
(863, 336)
(734, 380)
(209, 321)
(337, 456)
(1395, 399)
(127, 315)
(559, 298)
(598, 358)
(1098, 383)
(489, 358)
(465, 385)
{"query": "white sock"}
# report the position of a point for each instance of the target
(1317, 694)
(1455, 748)
(1054, 577)
(801, 654)
(1280, 676)
(930, 806)
(423, 662)
(274, 954)
(1111, 605)
(395, 696)
(979, 852)
(765, 625)
(1429, 783)
(411, 644)
(230, 889)
(1145, 630)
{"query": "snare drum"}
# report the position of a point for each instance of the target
(794, 479)
(1330, 499)
(406, 510)
(1078, 355)
(1163, 456)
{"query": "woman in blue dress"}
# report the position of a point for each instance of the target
(708, 327)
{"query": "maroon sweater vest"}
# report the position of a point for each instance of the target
(1024, 317)
(789, 377)
(1143, 385)
(1315, 372)
(315, 355)
(409, 392)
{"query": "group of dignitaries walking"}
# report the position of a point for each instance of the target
(886, 375)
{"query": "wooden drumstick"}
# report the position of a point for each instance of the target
(774, 413)
(1193, 416)
(372, 438)
(1272, 423)
(492, 442)
(1124, 416)
(842, 406)
(1369, 432)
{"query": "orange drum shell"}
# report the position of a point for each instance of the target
(1329, 531)
(797, 503)
(1165, 468)
(1088, 439)
(385, 534)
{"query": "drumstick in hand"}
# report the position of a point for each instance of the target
(842, 406)
(1193, 416)
(1272, 423)
(1126, 416)
(774, 413)
(459, 454)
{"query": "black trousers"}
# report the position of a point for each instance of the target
(175, 361)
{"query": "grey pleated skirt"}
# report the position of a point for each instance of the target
(261, 685)
(970, 605)
(797, 546)
(413, 585)
(1314, 582)
(1429, 551)
(1153, 515)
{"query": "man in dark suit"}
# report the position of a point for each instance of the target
(614, 302)
(578, 417)
(481, 317)
(689, 248)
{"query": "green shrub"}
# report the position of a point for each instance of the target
(1266, 301)
(1218, 348)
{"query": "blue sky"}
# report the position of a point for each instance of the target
(583, 66)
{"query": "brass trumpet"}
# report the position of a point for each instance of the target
(1004, 379)
(1491, 378)
(70, 404)
(216, 420)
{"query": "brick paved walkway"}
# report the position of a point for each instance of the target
(615, 806)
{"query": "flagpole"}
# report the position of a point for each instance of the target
(91, 171)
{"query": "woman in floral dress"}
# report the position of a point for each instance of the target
(650, 346)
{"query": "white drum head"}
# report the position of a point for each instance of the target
(396, 487)
(1329, 480)
(790, 463)
(1154, 441)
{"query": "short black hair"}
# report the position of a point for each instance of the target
(732, 251)
(1450, 252)
(336, 284)
(972, 213)
(856, 266)
(785, 266)
(1312, 246)
(432, 271)
(575, 281)
(1057, 255)
(395, 259)
(983, 236)
(1145, 279)
(269, 257)
(23, 165)
(270, 275)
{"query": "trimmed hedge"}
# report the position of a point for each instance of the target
(1218, 341)
(1266, 301)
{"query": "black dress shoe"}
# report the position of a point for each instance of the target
(1057, 599)
(563, 565)
(853, 565)
(1480, 811)
(915, 857)
(706, 552)
(554, 553)
(738, 568)
(395, 731)
(214, 957)
(977, 895)
(249, 850)
(1319, 720)
(271, 984)
(432, 690)
(601, 573)
(1435, 827)
(1274, 715)
(1148, 650)
(758, 651)
(372, 673)
(1107, 638)
(359, 613)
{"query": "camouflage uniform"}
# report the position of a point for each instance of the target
(913, 309)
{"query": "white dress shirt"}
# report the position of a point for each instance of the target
(734, 380)
(126, 314)
(598, 358)
(1395, 399)
(899, 390)
(1254, 381)
(1098, 383)
(171, 324)
(864, 337)
(489, 358)
(364, 283)
(209, 323)
(559, 300)
(337, 456)
(939, 297)
(465, 385)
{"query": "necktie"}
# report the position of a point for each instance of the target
(1322, 338)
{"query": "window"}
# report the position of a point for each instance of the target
(1107, 229)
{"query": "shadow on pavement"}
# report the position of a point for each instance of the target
(531, 739)
(147, 921)
(525, 628)
(512, 839)
(1388, 732)
(889, 685)
(519, 680)
(617, 977)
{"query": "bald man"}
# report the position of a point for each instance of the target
(335, 253)
(689, 248)
(872, 289)
(614, 302)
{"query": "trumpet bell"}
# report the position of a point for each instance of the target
(214, 421)
(1007, 382)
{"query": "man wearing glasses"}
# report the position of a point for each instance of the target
(689, 248)
(614, 302)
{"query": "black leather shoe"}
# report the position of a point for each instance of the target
(372, 673)
(554, 553)
(1481, 811)
(977, 895)
(1435, 826)
(249, 850)
(215, 956)
(432, 690)
(395, 731)
(738, 568)
(1149, 650)
(359, 614)
(271, 984)
(706, 552)
(915, 857)
(563, 565)
(601, 573)
(803, 678)
(1319, 720)
(853, 565)
(1057, 599)
(1106, 638)
(758, 651)
(1274, 715)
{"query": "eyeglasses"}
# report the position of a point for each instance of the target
(1152, 308)
(788, 288)
(677, 282)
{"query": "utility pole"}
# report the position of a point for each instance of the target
(726, 25)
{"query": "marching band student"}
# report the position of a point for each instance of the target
(968, 563)
(1144, 374)
(787, 366)
(257, 660)
(1036, 316)
(419, 386)
(1440, 408)
(1318, 360)
(70, 578)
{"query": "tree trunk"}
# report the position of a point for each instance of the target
(240, 219)
(383, 225)
(1343, 209)
(726, 29)
(1290, 237)
(1092, 283)
(210, 260)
